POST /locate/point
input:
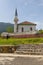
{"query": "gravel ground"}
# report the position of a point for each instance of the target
(28, 61)
(17, 60)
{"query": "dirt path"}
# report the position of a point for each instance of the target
(15, 59)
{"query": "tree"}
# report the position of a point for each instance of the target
(9, 29)
(40, 31)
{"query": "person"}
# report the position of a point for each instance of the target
(7, 36)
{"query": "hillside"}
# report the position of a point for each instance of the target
(3, 26)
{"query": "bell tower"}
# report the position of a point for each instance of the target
(16, 21)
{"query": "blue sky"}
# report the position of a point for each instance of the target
(28, 10)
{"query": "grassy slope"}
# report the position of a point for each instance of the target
(14, 41)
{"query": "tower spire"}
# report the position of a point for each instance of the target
(16, 14)
(16, 21)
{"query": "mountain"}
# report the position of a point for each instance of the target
(3, 26)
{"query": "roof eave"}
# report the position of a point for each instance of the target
(27, 24)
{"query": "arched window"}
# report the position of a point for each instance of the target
(31, 28)
(22, 29)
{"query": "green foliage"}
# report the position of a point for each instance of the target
(9, 29)
(3, 26)
(16, 41)
(40, 31)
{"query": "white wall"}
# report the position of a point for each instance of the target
(26, 28)
(15, 27)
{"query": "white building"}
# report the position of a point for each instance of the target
(24, 26)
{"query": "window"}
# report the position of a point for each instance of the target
(22, 29)
(31, 28)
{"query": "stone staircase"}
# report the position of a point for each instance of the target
(34, 49)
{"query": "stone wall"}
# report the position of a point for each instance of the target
(27, 35)
(31, 49)
(34, 49)
(8, 49)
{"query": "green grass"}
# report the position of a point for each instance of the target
(16, 41)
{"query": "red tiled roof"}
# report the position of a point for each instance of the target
(27, 23)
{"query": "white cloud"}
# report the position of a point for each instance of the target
(34, 2)
(28, 2)
(39, 25)
(25, 3)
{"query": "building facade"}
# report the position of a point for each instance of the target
(24, 26)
